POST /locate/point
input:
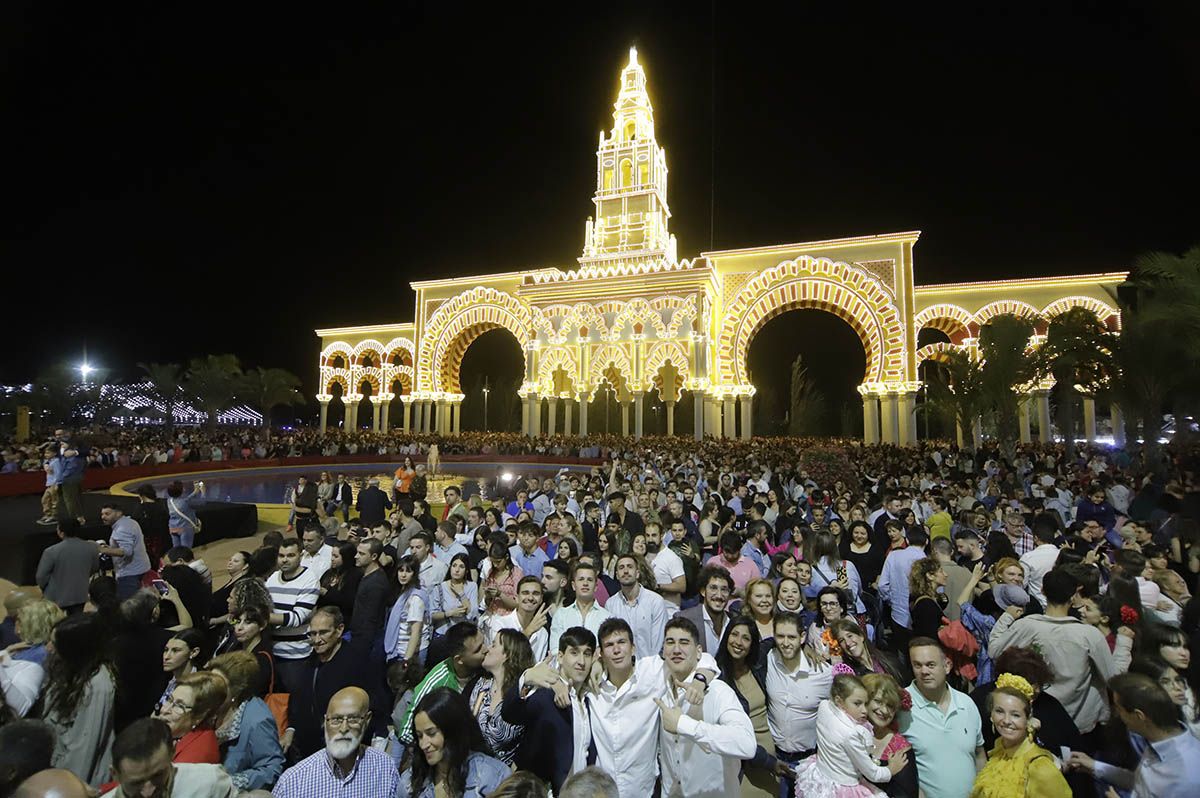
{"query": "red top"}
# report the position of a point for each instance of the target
(198, 746)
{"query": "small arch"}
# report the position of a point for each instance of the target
(626, 173)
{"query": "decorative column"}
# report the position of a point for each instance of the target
(639, 411)
(407, 402)
(623, 409)
(526, 429)
(729, 427)
(551, 414)
(583, 400)
(712, 421)
(351, 422)
(568, 408)
(423, 412)
(535, 415)
(697, 415)
(1118, 425)
(906, 430)
(1045, 435)
(1023, 418)
(870, 418)
(323, 400)
(375, 412)
(670, 417)
(1089, 419)
(386, 408)
(887, 412)
(747, 407)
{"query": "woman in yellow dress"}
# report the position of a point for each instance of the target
(1017, 767)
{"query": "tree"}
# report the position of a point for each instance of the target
(53, 397)
(1003, 342)
(807, 407)
(166, 387)
(1078, 351)
(213, 380)
(956, 390)
(266, 389)
(1159, 346)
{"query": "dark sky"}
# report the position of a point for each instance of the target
(186, 179)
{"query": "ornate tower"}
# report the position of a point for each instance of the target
(631, 183)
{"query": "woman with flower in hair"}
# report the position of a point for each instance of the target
(1017, 767)
(884, 699)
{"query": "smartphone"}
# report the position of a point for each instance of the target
(162, 587)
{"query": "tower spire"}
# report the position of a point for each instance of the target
(631, 182)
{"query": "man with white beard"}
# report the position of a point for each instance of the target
(344, 767)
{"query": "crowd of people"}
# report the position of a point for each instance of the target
(684, 618)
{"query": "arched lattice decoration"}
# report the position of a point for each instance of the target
(938, 352)
(330, 380)
(603, 358)
(846, 291)
(1002, 306)
(1102, 311)
(953, 320)
(638, 311)
(401, 348)
(457, 323)
(665, 352)
(551, 361)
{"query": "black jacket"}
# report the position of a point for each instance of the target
(546, 746)
(343, 494)
(307, 703)
(372, 506)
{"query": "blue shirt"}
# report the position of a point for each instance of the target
(943, 743)
(531, 564)
(760, 559)
(1169, 769)
(483, 776)
(373, 775)
(893, 582)
(54, 474)
(127, 536)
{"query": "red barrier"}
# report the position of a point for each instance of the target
(34, 482)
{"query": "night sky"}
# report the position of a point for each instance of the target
(193, 179)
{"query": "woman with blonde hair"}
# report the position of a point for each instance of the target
(926, 602)
(34, 623)
(885, 698)
(192, 712)
(247, 729)
(1017, 767)
(760, 605)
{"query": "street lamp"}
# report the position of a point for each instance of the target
(84, 370)
(486, 391)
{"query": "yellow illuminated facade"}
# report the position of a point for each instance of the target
(633, 319)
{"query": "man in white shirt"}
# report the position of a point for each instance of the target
(317, 553)
(701, 746)
(666, 565)
(584, 611)
(644, 611)
(1039, 560)
(531, 618)
(624, 714)
(796, 688)
(433, 570)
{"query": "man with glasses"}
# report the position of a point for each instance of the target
(345, 767)
(333, 666)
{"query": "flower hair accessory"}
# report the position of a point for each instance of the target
(905, 699)
(1129, 615)
(834, 649)
(1014, 682)
(842, 669)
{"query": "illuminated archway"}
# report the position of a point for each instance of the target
(456, 324)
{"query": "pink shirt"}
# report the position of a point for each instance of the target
(743, 572)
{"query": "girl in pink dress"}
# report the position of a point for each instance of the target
(845, 762)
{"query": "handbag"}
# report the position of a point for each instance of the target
(277, 702)
(197, 525)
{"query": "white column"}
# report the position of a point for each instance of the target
(424, 413)
(639, 411)
(1023, 418)
(1045, 435)
(1089, 419)
(568, 409)
(712, 418)
(386, 409)
(623, 409)
(670, 417)
(526, 429)
(747, 408)
(458, 418)
(870, 419)
(1118, 425)
(697, 416)
(887, 412)
(551, 414)
(375, 413)
(729, 426)
(351, 422)
(535, 417)
(407, 414)
(906, 429)
(583, 414)
(324, 414)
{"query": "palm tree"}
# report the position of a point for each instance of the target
(1078, 351)
(1005, 366)
(266, 389)
(53, 397)
(213, 380)
(1159, 344)
(956, 390)
(166, 386)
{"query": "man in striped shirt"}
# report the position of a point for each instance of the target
(465, 651)
(294, 591)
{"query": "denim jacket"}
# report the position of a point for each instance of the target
(484, 774)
